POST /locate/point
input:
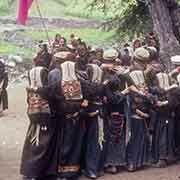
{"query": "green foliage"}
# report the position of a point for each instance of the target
(128, 17)
(55, 8)
(4, 7)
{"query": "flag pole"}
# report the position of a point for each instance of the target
(43, 22)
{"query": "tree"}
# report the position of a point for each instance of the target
(164, 26)
(137, 16)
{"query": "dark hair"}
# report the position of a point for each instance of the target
(83, 44)
(65, 41)
(45, 47)
(57, 35)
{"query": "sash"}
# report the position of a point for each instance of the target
(137, 77)
(97, 73)
(36, 104)
(163, 80)
(35, 77)
(70, 84)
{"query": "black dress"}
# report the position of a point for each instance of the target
(115, 135)
(138, 147)
(3, 93)
(39, 152)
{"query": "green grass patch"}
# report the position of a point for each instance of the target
(9, 48)
(4, 8)
(94, 37)
(91, 36)
(67, 9)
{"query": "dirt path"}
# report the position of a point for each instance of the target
(13, 129)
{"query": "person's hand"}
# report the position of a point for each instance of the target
(171, 87)
(149, 68)
(142, 114)
(31, 89)
(106, 82)
(125, 91)
(105, 100)
(161, 103)
(85, 103)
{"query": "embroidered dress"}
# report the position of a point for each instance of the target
(38, 157)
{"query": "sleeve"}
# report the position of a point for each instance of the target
(54, 77)
(5, 80)
(91, 89)
(52, 92)
(128, 80)
(114, 97)
(44, 77)
(174, 97)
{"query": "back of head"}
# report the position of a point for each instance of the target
(110, 55)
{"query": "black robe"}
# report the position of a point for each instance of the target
(39, 152)
(138, 147)
(3, 93)
(71, 126)
(115, 135)
(163, 142)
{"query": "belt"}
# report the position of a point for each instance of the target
(136, 117)
(97, 103)
(74, 115)
(93, 114)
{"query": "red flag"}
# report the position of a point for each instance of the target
(24, 6)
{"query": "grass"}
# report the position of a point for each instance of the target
(91, 36)
(94, 37)
(9, 48)
(4, 9)
(67, 9)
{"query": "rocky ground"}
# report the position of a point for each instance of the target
(13, 127)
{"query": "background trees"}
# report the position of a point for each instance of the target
(140, 16)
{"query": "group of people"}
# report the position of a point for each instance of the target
(95, 111)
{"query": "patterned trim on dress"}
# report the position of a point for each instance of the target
(65, 169)
(36, 104)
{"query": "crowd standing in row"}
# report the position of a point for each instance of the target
(95, 111)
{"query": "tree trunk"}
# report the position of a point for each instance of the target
(163, 26)
(174, 10)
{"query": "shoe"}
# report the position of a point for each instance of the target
(101, 173)
(111, 170)
(27, 178)
(160, 164)
(131, 168)
(90, 175)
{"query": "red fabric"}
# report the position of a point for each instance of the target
(24, 6)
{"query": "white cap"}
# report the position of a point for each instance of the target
(175, 60)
